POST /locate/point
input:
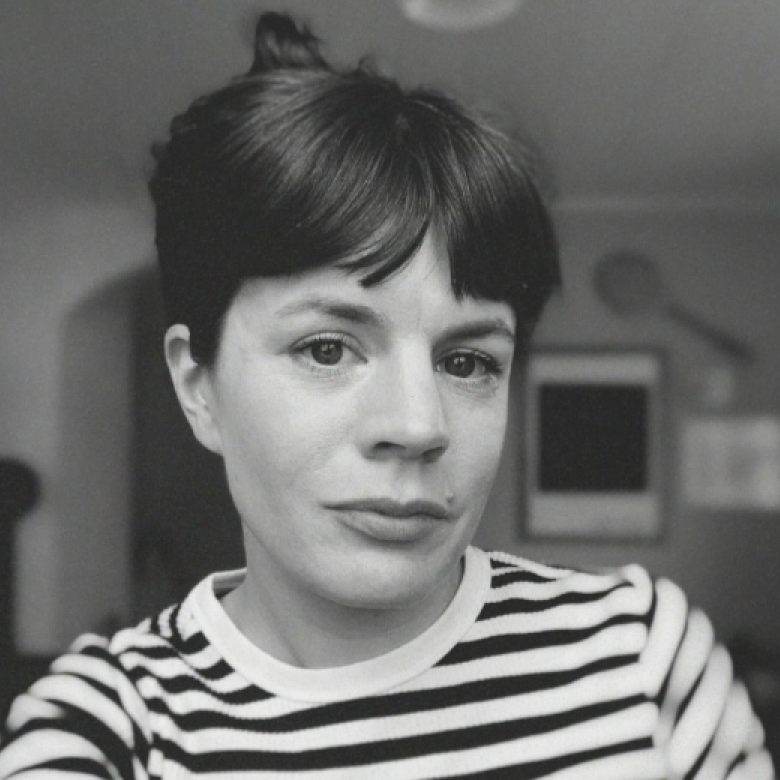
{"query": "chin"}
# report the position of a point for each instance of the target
(392, 585)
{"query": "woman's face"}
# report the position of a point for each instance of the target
(361, 429)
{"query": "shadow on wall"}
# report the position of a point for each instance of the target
(92, 487)
(184, 523)
(145, 511)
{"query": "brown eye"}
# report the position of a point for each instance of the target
(462, 365)
(327, 353)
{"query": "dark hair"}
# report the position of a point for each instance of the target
(299, 165)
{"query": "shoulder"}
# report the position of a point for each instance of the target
(628, 590)
(157, 652)
(109, 679)
(172, 632)
(590, 618)
(96, 704)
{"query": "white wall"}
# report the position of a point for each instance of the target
(64, 400)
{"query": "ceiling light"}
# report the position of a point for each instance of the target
(458, 14)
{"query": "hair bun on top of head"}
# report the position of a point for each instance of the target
(282, 43)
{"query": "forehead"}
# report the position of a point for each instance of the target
(419, 296)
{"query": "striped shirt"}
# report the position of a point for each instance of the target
(531, 672)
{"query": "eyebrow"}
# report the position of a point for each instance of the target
(481, 329)
(365, 315)
(352, 312)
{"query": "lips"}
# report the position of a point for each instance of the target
(386, 520)
(398, 509)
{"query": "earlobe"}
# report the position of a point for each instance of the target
(192, 383)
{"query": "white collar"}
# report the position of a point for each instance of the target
(344, 682)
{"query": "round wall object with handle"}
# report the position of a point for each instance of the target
(630, 284)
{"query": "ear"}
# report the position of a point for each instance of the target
(192, 383)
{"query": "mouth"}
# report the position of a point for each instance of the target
(387, 520)
(399, 509)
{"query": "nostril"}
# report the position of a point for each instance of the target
(434, 453)
(408, 450)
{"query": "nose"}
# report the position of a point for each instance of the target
(404, 414)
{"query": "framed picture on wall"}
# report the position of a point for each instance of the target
(594, 431)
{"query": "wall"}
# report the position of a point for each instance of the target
(720, 261)
(65, 404)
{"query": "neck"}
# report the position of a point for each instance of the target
(314, 633)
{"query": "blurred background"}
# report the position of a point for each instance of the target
(658, 122)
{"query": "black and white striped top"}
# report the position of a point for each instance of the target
(532, 672)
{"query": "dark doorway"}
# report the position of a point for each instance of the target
(184, 523)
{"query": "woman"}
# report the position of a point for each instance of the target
(350, 271)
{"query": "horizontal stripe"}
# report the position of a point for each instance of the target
(512, 576)
(576, 726)
(535, 586)
(323, 727)
(525, 605)
(634, 759)
(73, 766)
(622, 635)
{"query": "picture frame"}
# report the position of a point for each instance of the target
(594, 425)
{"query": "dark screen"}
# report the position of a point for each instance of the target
(593, 437)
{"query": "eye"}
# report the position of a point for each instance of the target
(470, 365)
(462, 365)
(326, 352)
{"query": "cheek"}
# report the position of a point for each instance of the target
(281, 439)
(478, 448)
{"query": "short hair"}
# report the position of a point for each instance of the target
(299, 165)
